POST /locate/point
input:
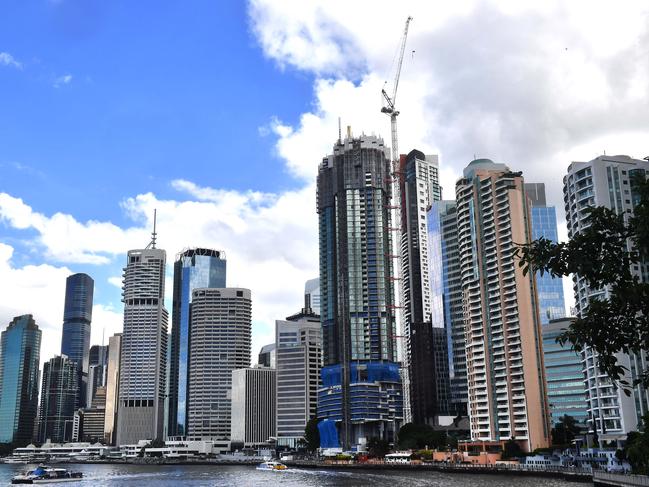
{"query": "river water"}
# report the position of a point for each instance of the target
(247, 476)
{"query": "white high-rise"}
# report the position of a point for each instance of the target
(253, 405)
(142, 378)
(606, 181)
(220, 343)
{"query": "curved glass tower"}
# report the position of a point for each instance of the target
(77, 316)
(20, 348)
(193, 269)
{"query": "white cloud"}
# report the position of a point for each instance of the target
(62, 80)
(7, 59)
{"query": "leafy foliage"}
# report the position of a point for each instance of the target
(636, 449)
(421, 436)
(512, 449)
(377, 447)
(565, 430)
(312, 434)
(603, 254)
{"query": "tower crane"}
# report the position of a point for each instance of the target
(389, 108)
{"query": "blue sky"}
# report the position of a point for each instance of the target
(218, 113)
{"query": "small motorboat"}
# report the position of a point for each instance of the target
(46, 475)
(272, 465)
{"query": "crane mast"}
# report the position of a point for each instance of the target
(389, 108)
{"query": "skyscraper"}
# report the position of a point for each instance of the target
(142, 377)
(221, 333)
(446, 299)
(507, 391)
(112, 388)
(98, 360)
(268, 355)
(253, 405)
(419, 188)
(77, 317)
(361, 395)
(193, 269)
(58, 400)
(552, 305)
(564, 375)
(606, 181)
(312, 295)
(20, 348)
(299, 360)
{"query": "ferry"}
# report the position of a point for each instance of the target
(272, 465)
(46, 475)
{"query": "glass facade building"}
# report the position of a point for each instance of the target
(58, 400)
(361, 394)
(564, 376)
(77, 317)
(544, 224)
(193, 269)
(20, 346)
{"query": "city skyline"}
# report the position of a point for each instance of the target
(95, 116)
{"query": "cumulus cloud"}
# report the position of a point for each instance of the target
(62, 80)
(7, 59)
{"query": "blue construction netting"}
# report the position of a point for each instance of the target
(362, 372)
(328, 434)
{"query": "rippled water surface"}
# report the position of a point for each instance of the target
(244, 476)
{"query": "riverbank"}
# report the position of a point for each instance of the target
(563, 474)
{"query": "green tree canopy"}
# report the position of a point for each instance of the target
(419, 436)
(566, 429)
(608, 253)
(377, 447)
(636, 449)
(312, 434)
(512, 449)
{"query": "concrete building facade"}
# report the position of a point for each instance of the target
(142, 376)
(112, 388)
(505, 373)
(253, 405)
(221, 340)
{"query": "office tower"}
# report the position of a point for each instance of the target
(221, 333)
(552, 306)
(77, 316)
(357, 299)
(507, 396)
(419, 188)
(606, 181)
(143, 358)
(20, 349)
(98, 360)
(312, 295)
(112, 388)
(564, 376)
(93, 419)
(299, 360)
(446, 298)
(268, 356)
(253, 405)
(193, 269)
(58, 399)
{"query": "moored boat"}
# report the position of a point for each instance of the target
(46, 475)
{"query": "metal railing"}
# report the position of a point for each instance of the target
(621, 479)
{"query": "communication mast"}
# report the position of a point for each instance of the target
(390, 108)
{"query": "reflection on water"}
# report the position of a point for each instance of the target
(244, 476)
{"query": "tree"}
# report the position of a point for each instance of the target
(419, 436)
(377, 447)
(512, 449)
(312, 434)
(601, 255)
(565, 430)
(636, 449)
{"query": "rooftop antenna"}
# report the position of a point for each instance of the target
(153, 234)
(340, 132)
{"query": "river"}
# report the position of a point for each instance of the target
(247, 476)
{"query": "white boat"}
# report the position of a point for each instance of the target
(272, 465)
(46, 475)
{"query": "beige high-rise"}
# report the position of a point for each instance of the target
(507, 391)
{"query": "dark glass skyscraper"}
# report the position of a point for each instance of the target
(361, 394)
(77, 316)
(58, 400)
(20, 347)
(193, 269)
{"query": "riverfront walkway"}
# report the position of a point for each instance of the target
(603, 479)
